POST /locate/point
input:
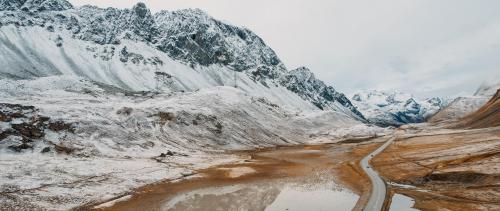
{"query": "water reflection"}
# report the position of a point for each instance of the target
(402, 203)
(312, 193)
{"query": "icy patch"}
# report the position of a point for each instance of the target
(401, 185)
(405, 186)
(111, 203)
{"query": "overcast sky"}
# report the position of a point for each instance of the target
(424, 47)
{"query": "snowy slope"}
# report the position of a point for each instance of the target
(27, 54)
(486, 116)
(75, 125)
(488, 88)
(95, 102)
(135, 50)
(395, 108)
(465, 105)
(458, 108)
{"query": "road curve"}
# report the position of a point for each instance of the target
(377, 195)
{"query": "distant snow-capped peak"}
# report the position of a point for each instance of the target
(395, 108)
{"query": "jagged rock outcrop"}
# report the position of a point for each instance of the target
(188, 35)
(35, 5)
(303, 82)
(46, 5)
(110, 25)
(195, 37)
(11, 5)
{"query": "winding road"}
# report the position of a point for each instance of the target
(377, 196)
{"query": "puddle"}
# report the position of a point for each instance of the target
(296, 199)
(269, 196)
(288, 178)
(402, 203)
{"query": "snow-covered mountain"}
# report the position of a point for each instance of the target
(136, 50)
(395, 108)
(303, 82)
(140, 97)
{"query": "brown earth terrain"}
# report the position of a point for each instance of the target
(340, 160)
(457, 171)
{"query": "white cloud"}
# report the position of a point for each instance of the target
(426, 47)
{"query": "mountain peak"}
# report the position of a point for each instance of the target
(141, 10)
(191, 35)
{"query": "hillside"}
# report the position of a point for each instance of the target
(486, 116)
(465, 105)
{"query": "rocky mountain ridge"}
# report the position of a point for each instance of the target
(303, 82)
(188, 36)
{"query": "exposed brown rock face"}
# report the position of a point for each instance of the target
(29, 130)
(27, 126)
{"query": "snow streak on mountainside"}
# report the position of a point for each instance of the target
(395, 108)
(133, 49)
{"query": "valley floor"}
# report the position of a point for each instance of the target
(436, 168)
(262, 178)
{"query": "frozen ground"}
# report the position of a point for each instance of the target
(111, 142)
